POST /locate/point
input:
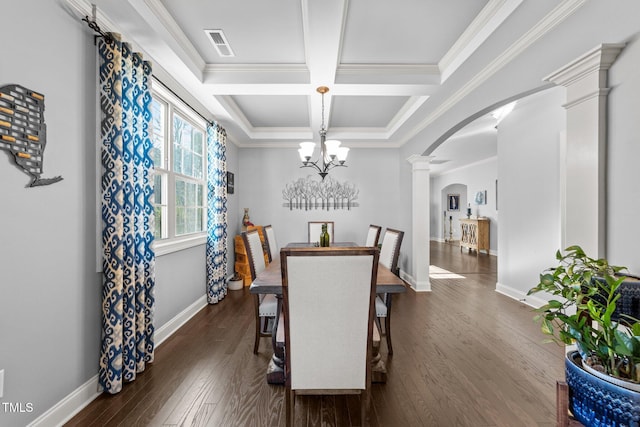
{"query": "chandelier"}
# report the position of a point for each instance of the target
(331, 153)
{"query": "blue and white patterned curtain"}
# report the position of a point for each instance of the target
(127, 215)
(216, 251)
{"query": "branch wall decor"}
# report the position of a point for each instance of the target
(308, 194)
(23, 132)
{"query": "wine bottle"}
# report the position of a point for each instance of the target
(324, 236)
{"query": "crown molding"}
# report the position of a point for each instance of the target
(173, 29)
(487, 21)
(82, 8)
(549, 22)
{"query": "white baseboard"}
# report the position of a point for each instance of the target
(68, 407)
(417, 287)
(169, 328)
(64, 410)
(408, 278)
(518, 295)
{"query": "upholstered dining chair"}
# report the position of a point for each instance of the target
(315, 228)
(266, 305)
(373, 235)
(389, 253)
(327, 355)
(270, 240)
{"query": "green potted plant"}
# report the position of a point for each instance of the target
(584, 313)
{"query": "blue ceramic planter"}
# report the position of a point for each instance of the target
(598, 403)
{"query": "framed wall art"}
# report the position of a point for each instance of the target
(453, 202)
(230, 183)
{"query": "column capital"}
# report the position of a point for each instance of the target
(597, 59)
(420, 162)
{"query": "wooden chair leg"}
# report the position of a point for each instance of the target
(290, 401)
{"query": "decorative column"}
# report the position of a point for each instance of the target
(583, 169)
(420, 219)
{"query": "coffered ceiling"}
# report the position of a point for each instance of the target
(381, 60)
(394, 69)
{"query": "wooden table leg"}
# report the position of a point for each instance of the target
(275, 371)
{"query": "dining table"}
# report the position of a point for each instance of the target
(269, 281)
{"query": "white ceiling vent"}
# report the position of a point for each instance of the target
(220, 42)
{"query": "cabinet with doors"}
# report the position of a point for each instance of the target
(474, 234)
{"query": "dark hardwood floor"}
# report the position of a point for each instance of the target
(464, 355)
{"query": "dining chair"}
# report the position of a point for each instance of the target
(373, 235)
(315, 228)
(266, 305)
(329, 315)
(270, 242)
(389, 253)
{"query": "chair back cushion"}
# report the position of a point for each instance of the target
(373, 235)
(255, 254)
(315, 228)
(329, 312)
(390, 250)
(270, 238)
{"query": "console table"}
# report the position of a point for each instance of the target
(475, 234)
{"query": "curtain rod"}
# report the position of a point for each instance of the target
(210, 122)
(91, 22)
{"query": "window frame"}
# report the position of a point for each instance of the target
(173, 242)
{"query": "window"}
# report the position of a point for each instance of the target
(179, 155)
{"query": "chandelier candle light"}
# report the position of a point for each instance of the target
(331, 153)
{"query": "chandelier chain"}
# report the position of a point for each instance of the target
(322, 125)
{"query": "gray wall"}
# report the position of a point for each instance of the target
(529, 178)
(49, 289)
(623, 191)
(263, 173)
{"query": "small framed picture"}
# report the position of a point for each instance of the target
(453, 202)
(481, 197)
(230, 183)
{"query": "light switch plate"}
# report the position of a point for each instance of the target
(1, 382)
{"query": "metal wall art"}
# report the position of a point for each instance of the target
(23, 132)
(308, 194)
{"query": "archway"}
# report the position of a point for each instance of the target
(453, 202)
